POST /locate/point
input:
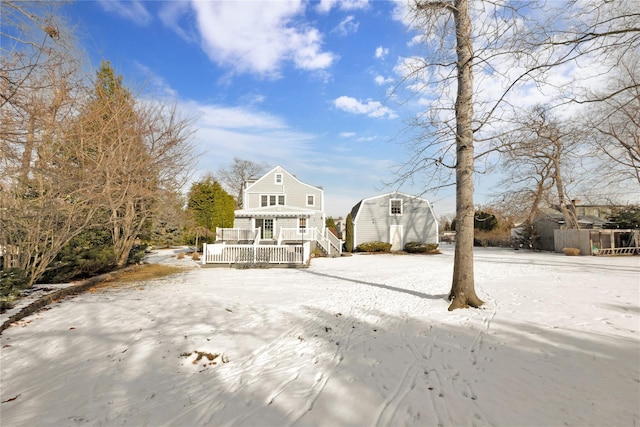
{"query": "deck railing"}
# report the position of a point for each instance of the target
(303, 234)
(236, 234)
(329, 243)
(333, 239)
(221, 253)
(297, 234)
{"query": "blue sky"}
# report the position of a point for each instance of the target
(304, 85)
(312, 86)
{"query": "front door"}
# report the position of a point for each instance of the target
(266, 227)
(396, 240)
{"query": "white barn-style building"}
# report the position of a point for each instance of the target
(395, 218)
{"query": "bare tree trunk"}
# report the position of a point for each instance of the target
(462, 292)
(570, 218)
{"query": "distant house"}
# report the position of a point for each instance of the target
(551, 233)
(395, 218)
(548, 219)
(280, 210)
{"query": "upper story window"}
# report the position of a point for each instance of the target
(311, 200)
(395, 207)
(278, 178)
(271, 200)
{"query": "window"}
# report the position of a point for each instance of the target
(302, 224)
(272, 200)
(278, 179)
(311, 200)
(395, 206)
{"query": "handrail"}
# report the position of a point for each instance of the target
(234, 234)
(285, 234)
(333, 239)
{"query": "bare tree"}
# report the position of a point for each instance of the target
(43, 201)
(617, 120)
(452, 20)
(508, 45)
(135, 151)
(234, 177)
(538, 157)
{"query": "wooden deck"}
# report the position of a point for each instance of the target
(256, 255)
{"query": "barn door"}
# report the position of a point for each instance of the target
(397, 237)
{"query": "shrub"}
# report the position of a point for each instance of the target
(137, 254)
(374, 247)
(571, 251)
(421, 248)
(12, 282)
(494, 238)
(195, 256)
(88, 254)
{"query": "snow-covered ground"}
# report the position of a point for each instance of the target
(354, 341)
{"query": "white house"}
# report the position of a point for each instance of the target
(395, 218)
(279, 209)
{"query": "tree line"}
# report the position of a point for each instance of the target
(481, 61)
(86, 165)
(91, 172)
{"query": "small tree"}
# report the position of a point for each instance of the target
(211, 205)
(349, 233)
(330, 222)
(234, 177)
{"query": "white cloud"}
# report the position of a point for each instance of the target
(155, 85)
(259, 37)
(347, 26)
(224, 132)
(325, 6)
(133, 10)
(380, 80)
(381, 52)
(171, 13)
(370, 108)
(347, 134)
(367, 138)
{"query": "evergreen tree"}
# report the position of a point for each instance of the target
(349, 233)
(627, 217)
(485, 221)
(211, 205)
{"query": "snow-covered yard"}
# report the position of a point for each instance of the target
(353, 341)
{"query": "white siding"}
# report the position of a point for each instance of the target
(373, 220)
(295, 191)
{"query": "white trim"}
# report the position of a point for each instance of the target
(276, 197)
(278, 178)
(313, 196)
(391, 213)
